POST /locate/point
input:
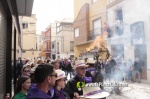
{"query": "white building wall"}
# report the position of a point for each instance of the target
(133, 11)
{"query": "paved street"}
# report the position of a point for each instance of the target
(133, 91)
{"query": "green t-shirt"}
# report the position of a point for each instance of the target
(19, 96)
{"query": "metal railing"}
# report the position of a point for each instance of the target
(95, 32)
(115, 31)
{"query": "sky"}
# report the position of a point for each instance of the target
(49, 11)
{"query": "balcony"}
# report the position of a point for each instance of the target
(95, 32)
(116, 30)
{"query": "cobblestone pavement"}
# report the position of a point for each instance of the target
(133, 91)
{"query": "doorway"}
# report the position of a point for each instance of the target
(140, 52)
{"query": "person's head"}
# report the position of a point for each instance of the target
(80, 68)
(45, 73)
(25, 71)
(56, 64)
(39, 61)
(23, 83)
(61, 79)
(28, 66)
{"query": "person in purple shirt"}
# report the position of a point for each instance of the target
(45, 77)
(59, 92)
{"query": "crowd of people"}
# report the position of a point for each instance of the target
(47, 79)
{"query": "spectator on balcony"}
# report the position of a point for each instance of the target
(119, 27)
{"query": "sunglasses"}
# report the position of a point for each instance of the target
(26, 70)
(54, 75)
(83, 68)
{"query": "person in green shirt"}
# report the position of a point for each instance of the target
(23, 85)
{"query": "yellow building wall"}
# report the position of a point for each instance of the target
(78, 4)
(29, 41)
(29, 54)
(29, 38)
(96, 10)
(79, 48)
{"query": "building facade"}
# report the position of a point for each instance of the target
(90, 16)
(46, 37)
(53, 40)
(129, 32)
(10, 40)
(29, 48)
(39, 45)
(65, 39)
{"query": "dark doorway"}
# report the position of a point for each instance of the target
(53, 56)
(140, 52)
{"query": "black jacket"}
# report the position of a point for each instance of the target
(71, 86)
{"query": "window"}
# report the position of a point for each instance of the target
(97, 27)
(93, 1)
(45, 45)
(76, 32)
(58, 29)
(49, 45)
(119, 15)
(24, 25)
(71, 46)
(57, 48)
(53, 46)
(119, 22)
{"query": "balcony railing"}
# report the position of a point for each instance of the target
(95, 32)
(115, 31)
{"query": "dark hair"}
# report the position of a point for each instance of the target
(47, 61)
(32, 78)
(24, 68)
(20, 81)
(42, 71)
(53, 62)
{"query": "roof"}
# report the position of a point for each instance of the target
(68, 20)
